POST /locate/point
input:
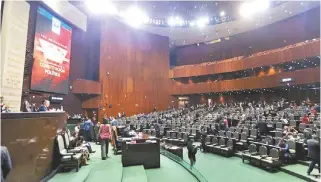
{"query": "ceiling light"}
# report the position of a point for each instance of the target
(248, 9)
(135, 17)
(175, 21)
(222, 13)
(201, 22)
(192, 23)
(101, 7)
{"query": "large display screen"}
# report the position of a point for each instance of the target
(52, 46)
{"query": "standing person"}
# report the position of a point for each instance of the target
(313, 153)
(104, 133)
(191, 152)
(87, 125)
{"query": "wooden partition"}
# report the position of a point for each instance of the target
(29, 138)
(305, 76)
(81, 86)
(286, 55)
(133, 71)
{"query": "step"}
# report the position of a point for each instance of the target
(300, 171)
(134, 173)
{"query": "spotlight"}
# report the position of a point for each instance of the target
(222, 13)
(249, 9)
(135, 17)
(201, 22)
(175, 21)
(101, 7)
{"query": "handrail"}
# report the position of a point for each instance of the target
(184, 164)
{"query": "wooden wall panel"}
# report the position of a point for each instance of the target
(299, 28)
(133, 71)
(296, 53)
(81, 86)
(311, 75)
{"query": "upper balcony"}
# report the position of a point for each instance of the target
(311, 75)
(271, 57)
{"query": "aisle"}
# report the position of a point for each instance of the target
(97, 171)
(169, 171)
(216, 168)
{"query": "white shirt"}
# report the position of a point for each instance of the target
(77, 129)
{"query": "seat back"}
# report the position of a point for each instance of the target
(228, 134)
(246, 130)
(66, 140)
(278, 134)
(173, 135)
(252, 148)
(239, 130)
(293, 123)
(243, 136)
(274, 153)
(236, 135)
(291, 144)
(221, 133)
(222, 141)
(215, 141)
(254, 133)
(61, 144)
(208, 139)
(278, 126)
(168, 135)
(263, 150)
(230, 143)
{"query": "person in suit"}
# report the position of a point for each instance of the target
(44, 106)
(192, 150)
(6, 164)
(313, 153)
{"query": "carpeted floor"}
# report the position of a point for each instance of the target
(213, 167)
(111, 170)
(217, 168)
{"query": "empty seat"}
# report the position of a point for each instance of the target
(252, 151)
(217, 148)
(228, 134)
(278, 126)
(228, 150)
(253, 135)
(273, 160)
(236, 136)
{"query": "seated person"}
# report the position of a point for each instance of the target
(76, 142)
(305, 119)
(284, 146)
(289, 131)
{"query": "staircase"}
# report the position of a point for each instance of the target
(134, 173)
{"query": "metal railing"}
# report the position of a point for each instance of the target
(184, 164)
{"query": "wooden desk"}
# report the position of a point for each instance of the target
(29, 138)
(147, 154)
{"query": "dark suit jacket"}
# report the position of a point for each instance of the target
(5, 163)
(262, 127)
(43, 108)
(313, 149)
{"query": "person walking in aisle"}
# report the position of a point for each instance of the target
(191, 152)
(313, 153)
(105, 134)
